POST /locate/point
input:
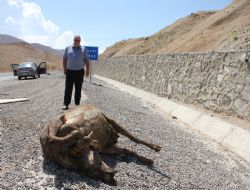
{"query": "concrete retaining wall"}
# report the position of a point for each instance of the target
(218, 81)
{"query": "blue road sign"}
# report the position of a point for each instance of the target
(93, 52)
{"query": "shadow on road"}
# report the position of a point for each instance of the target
(71, 177)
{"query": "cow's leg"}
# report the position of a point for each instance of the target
(50, 131)
(66, 129)
(124, 132)
(93, 165)
(115, 150)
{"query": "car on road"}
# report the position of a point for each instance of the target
(29, 69)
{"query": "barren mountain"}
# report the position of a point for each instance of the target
(48, 49)
(224, 30)
(7, 39)
(15, 51)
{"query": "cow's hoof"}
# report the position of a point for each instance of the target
(111, 182)
(156, 148)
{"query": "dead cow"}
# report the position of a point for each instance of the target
(80, 135)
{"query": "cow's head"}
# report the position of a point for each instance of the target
(83, 155)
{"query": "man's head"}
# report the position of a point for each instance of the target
(77, 41)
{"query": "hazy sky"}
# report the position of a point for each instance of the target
(100, 22)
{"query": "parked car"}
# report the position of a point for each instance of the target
(29, 69)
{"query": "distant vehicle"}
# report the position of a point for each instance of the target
(29, 69)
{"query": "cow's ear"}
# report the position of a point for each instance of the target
(91, 157)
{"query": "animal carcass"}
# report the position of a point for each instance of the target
(77, 139)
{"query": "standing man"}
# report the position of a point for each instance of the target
(74, 59)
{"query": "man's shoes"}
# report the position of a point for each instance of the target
(65, 107)
(77, 104)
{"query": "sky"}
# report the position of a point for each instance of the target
(99, 22)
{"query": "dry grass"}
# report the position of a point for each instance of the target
(202, 31)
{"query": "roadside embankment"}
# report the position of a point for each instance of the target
(217, 81)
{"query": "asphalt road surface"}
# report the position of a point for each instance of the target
(187, 161)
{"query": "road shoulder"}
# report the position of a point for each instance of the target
(234, 137)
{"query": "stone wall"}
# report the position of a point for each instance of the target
(218, 81)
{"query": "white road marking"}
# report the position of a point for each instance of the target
(5, 101)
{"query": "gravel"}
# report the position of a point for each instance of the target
(187, 160)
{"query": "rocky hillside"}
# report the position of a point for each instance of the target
(15, 51)
(224, 30)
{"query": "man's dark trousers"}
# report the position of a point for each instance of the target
(73, 77)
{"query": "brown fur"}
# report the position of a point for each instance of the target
(77, 138)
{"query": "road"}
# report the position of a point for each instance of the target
(188, 160)
(6, 77)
